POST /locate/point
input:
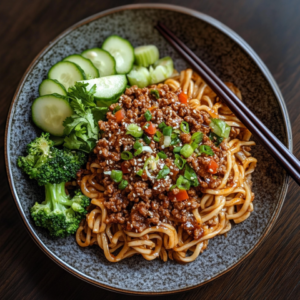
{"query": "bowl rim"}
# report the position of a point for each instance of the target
(225, 30)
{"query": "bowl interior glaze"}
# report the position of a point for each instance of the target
(232, 60)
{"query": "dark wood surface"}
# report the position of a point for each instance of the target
(272, 28)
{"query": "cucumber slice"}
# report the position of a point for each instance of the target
(122, 51)
(108, 89)
(49, 112)
(85, 64)
(67, 73)
(102, 60)
(139, 76)
(51, 86)
(161, 70)
(146, 55)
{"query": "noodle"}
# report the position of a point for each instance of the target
(231, 200)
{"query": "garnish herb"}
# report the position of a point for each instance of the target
(177, 149)
(138, 151)
(167, 131)
(117, 108)
(116, 175)
(157, 136)
(187, 150)
(179, 161)
(174, 139)
(191, 175)
(184, 126)
(146, 139)
(206, 150)
(123, 184)
(220, 128)
(139, 172)
(126, 155)
(148, 115)
(155, 93)
(182, 183)
(162, 125)
(137, 145)
(163, 172)
(162, 155)
(134, 130)
(217, 140)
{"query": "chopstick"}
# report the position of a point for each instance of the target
(287, 160)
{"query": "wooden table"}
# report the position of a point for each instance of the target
(272, 28)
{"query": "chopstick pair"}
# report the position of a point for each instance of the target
(287, 160)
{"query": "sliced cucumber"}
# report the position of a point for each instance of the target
(51, 86)
(146, 55)
(102, 60)
(161, 70)
(67, 73)
(139, 76)
(49, 112)
(85, 64)
(108, 89)
(122, 51)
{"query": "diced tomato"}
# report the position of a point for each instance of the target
(183, 98)
(149, 128)
(212, 167)
(120, 115)
(180, 196)
(124, 167)
(152, 108)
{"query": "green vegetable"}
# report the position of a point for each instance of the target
(146, 126)
(116, 175)
(134, 130)
(122, 184)
(187, 150)
(138, 151)
(117, 108)
(146, 139)
(220, 128)
(217, 140)
(148, 115)
(191, 175)
(162, 155)
(179, 161)
(182, 183)
(126, 155)
(47, 164)
(157, 136)
(59, 214)
(177, 149)
(163, 172)
(206, 150)
(140, 172)
(139, 76)
(184, 126)
(162, 125)
(174, 139)
(197, 137)
(167, 131)
(137, 145)
(146, 55)
(155, 93)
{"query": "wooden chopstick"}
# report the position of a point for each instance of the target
(288, 161)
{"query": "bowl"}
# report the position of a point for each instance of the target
(231, 58)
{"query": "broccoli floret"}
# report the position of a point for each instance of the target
(47, 164)
(59, 214)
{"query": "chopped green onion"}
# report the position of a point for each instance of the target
(217, 140)
(206, 150)
(146, 139)
(167, 131)
(191, 175)
(138, 151)
(162, 155)
(184, 126)
(179, 161)
(137, 145)
(187, 150)
(172, 187)
(140, 172)
(146, 126)
(182, 183)
(123, 184)
(148, 115)
(126, 155)
(197, 137)
(116, 175)
(174, 139)
(155, 93)
(157, 136)
(117, 108)
(220, 128)
(134, 130)
(176, 131)
(177, 149)
(162, 125)
(163, 172)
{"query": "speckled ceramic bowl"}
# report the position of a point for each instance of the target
(233, 60)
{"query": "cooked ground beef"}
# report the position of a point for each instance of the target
(146, 200)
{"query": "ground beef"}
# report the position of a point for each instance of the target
(146, 201)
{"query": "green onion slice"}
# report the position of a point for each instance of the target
(137, 145)
(167, 131)
(187, 150)
(157, 136)
(117, 108)
(126, 155)
(174, 139)
(138, 151)
(155, 93)
(179, 161)
(220, 128)
(148, 115)
(122, 185)
(134, 130)
(217, 140)
(184, 126)
(116, 175)
(162, 125)
(162, 155)
(206, 150)
(140, 172)
(146, 139)
(177, 149)
(191, 175)
(182, 183)
(197, 137)
(163, 172)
